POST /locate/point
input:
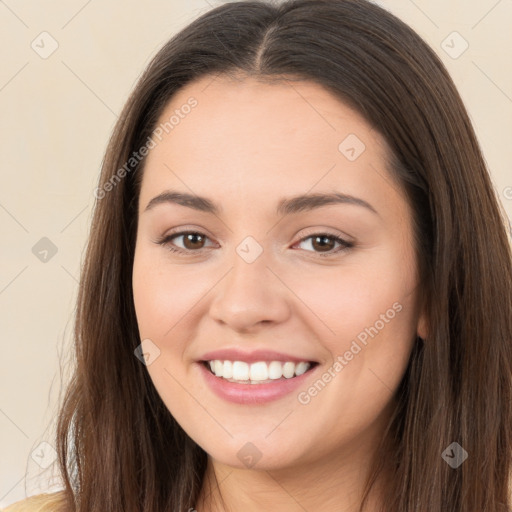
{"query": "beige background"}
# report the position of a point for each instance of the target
(56, 116)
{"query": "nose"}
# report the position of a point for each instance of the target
(250, 296)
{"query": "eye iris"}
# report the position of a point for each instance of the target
(323, 245)
(192, 237)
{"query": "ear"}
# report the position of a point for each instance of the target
(421, 329)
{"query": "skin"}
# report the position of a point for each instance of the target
(246, 145)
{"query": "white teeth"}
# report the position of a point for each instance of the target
(301, 368)
(275, 370)
(255, 373)
(227, 371)
(240, 371)
(259, 371)
(288, 370)
(218, 368)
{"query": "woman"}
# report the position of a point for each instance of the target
(298, 286)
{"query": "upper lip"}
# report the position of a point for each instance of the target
(234, 354)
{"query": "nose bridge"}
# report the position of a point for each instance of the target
(250, 293)
(249, 276)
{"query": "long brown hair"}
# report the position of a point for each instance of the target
(119, 447)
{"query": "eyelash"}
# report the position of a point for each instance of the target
(166, 240)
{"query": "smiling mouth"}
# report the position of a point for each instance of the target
(261, 372)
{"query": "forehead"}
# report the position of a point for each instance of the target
(250, 139)
(283, 115)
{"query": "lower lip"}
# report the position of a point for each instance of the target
(253, 393)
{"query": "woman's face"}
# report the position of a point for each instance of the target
(270, 277)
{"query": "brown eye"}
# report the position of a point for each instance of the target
(193, 241)
(324, 244)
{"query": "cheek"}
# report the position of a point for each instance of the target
(364, 314)
(344, 300)
(369, 331)
(164, 301)
(163, 295)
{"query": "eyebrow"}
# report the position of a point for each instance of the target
(286, 206)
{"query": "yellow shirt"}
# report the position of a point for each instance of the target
(53, 502)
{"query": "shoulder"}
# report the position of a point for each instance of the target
(53, 502)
